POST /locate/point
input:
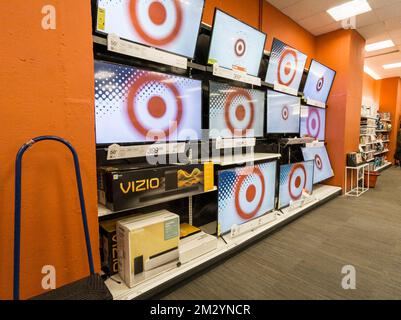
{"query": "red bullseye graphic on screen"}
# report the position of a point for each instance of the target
(239, 112)
(249, 194)
(240, 47)
(297, 181)
(285, 113)
(287, 67)
(152, 99)
(157, 22)
(313, 123)
(318, 162)
(319, 84)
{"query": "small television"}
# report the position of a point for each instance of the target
(172, 26)
(245, 193)
(236, 45)
(294, 180)
(235, 112)
(286, 65)
(134, 105)
(283, 112)
(318, 82)
(313, 122)
(322, 166)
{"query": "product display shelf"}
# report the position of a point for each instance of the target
(228, 160)
(158, 284)
(383, 167)
(381, 152)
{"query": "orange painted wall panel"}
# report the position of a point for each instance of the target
(46, 88)
(371, 90)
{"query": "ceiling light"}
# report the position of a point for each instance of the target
(379, 45)
(392, 65)
(370, 72)
(349, 9)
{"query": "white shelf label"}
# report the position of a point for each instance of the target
(237, 75)
(235, 143)
(315, 144)
(315, 103)
(115, 44)
(285, 89)
(116, 151)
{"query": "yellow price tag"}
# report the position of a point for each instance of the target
(101, 19)
(208, 176)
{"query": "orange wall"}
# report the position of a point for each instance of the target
(46, 84)
(371, 90)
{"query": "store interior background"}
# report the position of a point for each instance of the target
(47, 87)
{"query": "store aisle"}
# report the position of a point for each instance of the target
(304, 259)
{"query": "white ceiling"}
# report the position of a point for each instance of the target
(382, 23)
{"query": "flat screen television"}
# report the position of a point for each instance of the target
(286, 65)
(283, 112)
(235, 112)
(134, 105)
(313, 122)
(170, 25)
(236, 45)
(245, 193)
(318, 82)
(294, 179)
(322, 166)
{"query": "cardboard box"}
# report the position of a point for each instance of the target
(147, 245)
(108, 240)
(196, 245)
(127, 187)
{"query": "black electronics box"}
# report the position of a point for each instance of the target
(125, 187)
(108, 239)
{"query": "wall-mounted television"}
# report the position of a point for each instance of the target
(294, 179)
(170, 25)
(245, 193)
(283, 112)
(134, 105)
(322, 166)
(235, 112)
(286, 65)
(313, 122)
(236, 45)
(319, 82)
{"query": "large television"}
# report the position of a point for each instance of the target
(134, 105)
(286, 65)
(313, 122)
(283, 112)
(322, 166)
(236, 45)
(294, 180)
(170, 25)
(318, 82)
(245, 193)
(235, 112)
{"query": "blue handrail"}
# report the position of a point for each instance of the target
(17, 208)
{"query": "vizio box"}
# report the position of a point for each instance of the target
(128, 186)
(147, 245)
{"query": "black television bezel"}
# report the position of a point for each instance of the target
(212, 33)
(97, 32)
(137, 143)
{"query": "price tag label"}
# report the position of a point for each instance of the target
(315, 103)
(116, 151)
(237, 75)
(285, 89)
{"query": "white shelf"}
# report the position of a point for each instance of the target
(381, 152)
(383, 130)
(121, 292)
(384, 166)
(368, 117)
(239, 159)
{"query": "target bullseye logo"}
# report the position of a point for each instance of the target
(318, 162)
(240, 47)
(152, 99)
(239, 111)
(285, 113)
(287, 67)
(249, 194)
(297, 181)
(313, 123)
(157, 22)
(319, 84)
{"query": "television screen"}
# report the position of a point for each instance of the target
(171, 25)
(318, 83)
(294, 178)
(283, 112)
(235, 112)
(313, 122)
(236, 45)
(245, 193)
(286, 65)
(134, 105)
(322, 166)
